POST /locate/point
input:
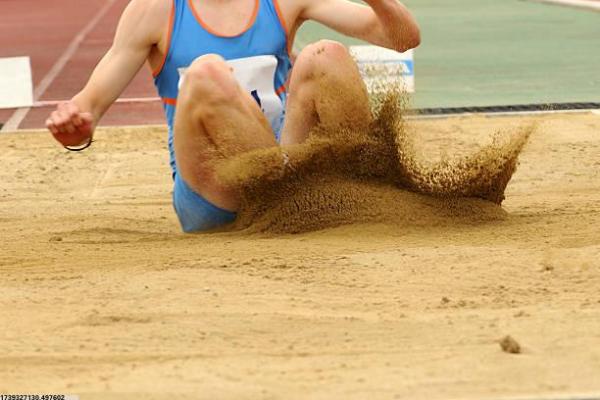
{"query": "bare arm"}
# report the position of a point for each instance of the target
(73, 122)
(386, 23)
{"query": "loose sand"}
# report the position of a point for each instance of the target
(101, 293)
(374, 173)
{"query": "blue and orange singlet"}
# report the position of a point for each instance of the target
(259, 56)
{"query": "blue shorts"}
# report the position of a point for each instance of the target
(196, 214)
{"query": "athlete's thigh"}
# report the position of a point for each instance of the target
(215, 120)
(325, 88)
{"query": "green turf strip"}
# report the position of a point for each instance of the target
(497, 52)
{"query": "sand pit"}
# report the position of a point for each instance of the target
(101, 293)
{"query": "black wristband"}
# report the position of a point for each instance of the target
(85, 146)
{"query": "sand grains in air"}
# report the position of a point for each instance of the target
(341, 176)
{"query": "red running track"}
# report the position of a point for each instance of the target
(46, 31)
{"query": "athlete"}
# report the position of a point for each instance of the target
(223, 69)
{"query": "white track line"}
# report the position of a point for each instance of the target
(127, 100)
(19, 115)
(588, 4)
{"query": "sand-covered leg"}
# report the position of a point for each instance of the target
(326, 89)
(216, 120)
(327, 102)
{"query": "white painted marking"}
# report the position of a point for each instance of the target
(16, 87)
(19, 115)
(589, 4)
(44, 131)
(21, 112)
(127, 100)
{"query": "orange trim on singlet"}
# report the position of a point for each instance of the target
(159, 69)
(280, 90)
(285, 29)
(169, 101)
(213, 32)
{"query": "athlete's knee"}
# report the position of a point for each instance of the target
(209, 65)
(210, 78)
(324, 49)
(321, 60)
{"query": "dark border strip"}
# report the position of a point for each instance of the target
(515, 108)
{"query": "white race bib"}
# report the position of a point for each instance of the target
(257, 76)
